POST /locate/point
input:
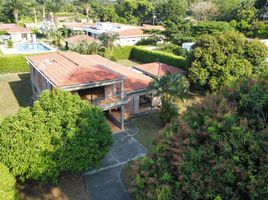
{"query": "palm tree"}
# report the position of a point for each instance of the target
(88, 48)
(16, 6)
(107, 40)
(57, 38)
(169, 88)
(87, 7)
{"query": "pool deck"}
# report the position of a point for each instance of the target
(11, 51)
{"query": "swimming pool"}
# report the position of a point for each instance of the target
(27, 48)
(31, 48)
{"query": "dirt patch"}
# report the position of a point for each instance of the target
(70, 187)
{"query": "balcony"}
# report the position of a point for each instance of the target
(109, 103)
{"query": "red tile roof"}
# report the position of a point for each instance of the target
(13, 28)
(132, 32)
(70, 68)
(157, 69)
(80, 38)
(134, 81)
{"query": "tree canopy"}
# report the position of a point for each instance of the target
(216, 61)
(59, 133)
(216, 150)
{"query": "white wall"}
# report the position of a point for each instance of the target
(129, 41)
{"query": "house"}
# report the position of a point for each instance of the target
(109, 85)
(71, 41)
(16, 33)
(128, 34)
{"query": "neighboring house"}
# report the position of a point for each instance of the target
(128, 34)
(77, 28)
(17, 33)
(104, 83)
(71, 41)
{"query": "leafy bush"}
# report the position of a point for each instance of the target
(213, 151)
(59, 133)
(217, 61)
(12, 64)
(144, 55)
(7, 184)
(121, 53)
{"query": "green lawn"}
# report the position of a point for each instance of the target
(15, 92)
(128, 63)
(13, 64)
(149, 127)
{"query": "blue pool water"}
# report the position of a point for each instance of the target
(32, 48)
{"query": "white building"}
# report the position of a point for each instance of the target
(16, 33)
(128, 34)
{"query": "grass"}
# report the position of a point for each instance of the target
(13, 64)
(149, 127)
(128, 63)
(15, 92)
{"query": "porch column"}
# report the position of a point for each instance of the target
(122, 90)
(122, 118)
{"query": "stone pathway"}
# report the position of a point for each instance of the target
(105, 183)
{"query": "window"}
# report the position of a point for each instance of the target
(92, 93)
(145, 101)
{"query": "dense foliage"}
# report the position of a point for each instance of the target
(216, 61)
(7, 184)
(143, 55)
(59, 133)
(121, 53)
(13, 64)
(216, 150)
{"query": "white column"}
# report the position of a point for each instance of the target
(122, 118)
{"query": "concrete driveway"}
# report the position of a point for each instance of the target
(105, 183)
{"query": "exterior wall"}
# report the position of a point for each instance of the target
(39, 83)
(133, 108)
(18, 37)
(110, 90)
(129, 41)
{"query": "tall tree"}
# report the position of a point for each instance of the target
(16, 6)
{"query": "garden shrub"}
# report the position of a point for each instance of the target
(143, 55)
(217, 61)
(7, 184)
(121, 53)
(59, 133)
(213, 151)
(13, 64)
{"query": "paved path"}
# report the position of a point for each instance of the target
(105, 183)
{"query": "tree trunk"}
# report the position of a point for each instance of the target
(16, 15)
(44, 12)
(87, 12)
(35, 17)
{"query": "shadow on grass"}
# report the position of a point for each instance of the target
(22, 90)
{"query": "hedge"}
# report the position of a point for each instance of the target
(121, 53)
(7, 184)
(143, 55)
(13, 64)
